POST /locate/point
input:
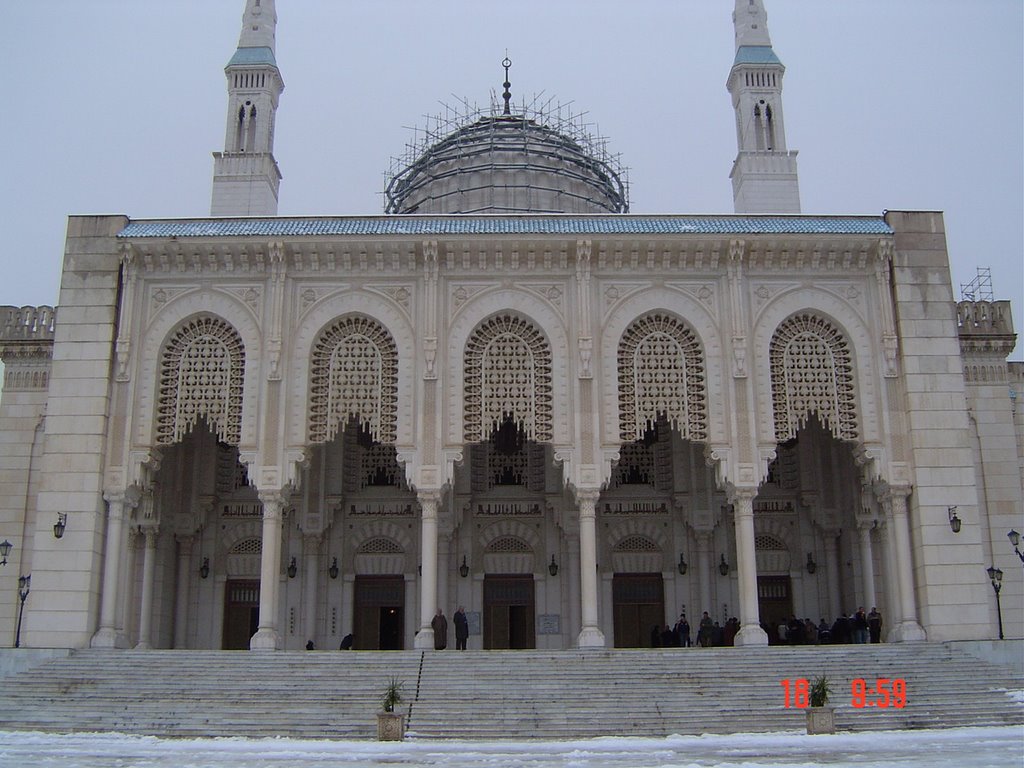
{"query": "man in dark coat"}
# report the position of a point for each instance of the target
(461, 629)
(440, 626)
(875, 625)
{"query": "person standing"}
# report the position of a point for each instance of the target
(461, 628)
(704, 633)
(440, 626)
(860, 626)
(875, 625)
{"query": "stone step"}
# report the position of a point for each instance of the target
(495, 694)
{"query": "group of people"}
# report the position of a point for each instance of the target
(861, 627)
(440, 626)
(709, 633)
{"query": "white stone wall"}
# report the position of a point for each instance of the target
(914, 430)
(66, 572)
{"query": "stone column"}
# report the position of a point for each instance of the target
(834, 563)
(867, 565)
(428, 577)
(267, 638)
(704, 571)
(106, 635)
(310, 544)
(746, 566)
(909, 628)
(127, 591)
(183, 584)
(572, 545)
(148, 568)
(590, 635)
(444, 563)
(892, 587)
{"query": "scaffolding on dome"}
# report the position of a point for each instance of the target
(541, 158)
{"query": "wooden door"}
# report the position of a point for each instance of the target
(379, 612)
(638, 605)
(509, 612)
(241, 614)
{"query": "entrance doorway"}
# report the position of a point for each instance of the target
(241, 614)
(509, 612)
(379, 613)
(638, 601)
(774, 600)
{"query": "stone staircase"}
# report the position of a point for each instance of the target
(497, 694)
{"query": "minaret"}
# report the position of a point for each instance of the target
(763, 176)
(245, 175)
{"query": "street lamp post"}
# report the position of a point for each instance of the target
(23, 588)
(995, 575)
(1015, 540)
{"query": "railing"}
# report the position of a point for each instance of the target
(984, 317)
(27, 323)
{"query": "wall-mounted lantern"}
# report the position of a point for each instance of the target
(954, 521)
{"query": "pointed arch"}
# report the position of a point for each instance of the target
(250, 136)
(661, 373)
(508, 375)
(812, 373)
(354, 372)
(202, 373)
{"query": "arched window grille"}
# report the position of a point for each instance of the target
(812, 373)
(354, 373)
(661, 373)
(202, 372)
(508, 376)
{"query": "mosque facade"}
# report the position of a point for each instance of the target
(507, 393)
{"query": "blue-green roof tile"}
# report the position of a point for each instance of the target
(253, 57)
(509, 225)
(755, 54)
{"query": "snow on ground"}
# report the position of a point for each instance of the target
(993, 747)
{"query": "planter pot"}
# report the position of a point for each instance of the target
(821, 720)
(390, 726)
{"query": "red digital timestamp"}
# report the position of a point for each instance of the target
(884, 693)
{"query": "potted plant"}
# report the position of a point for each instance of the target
(391, 724)
(821, 718)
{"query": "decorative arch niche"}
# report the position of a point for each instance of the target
(508, 375)
(202, 374)
(661, 374)
(354, 373)
(812, 373)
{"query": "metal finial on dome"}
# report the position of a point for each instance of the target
(507, 95)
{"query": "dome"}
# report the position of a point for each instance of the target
(509, 164)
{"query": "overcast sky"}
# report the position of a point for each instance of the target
(115, 106)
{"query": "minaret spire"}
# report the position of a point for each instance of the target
(751, 22)
(246, 178)
(764, 177)
(259, 25)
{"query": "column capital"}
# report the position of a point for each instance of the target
(127, 497)
(742, 496)
(273, 502)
